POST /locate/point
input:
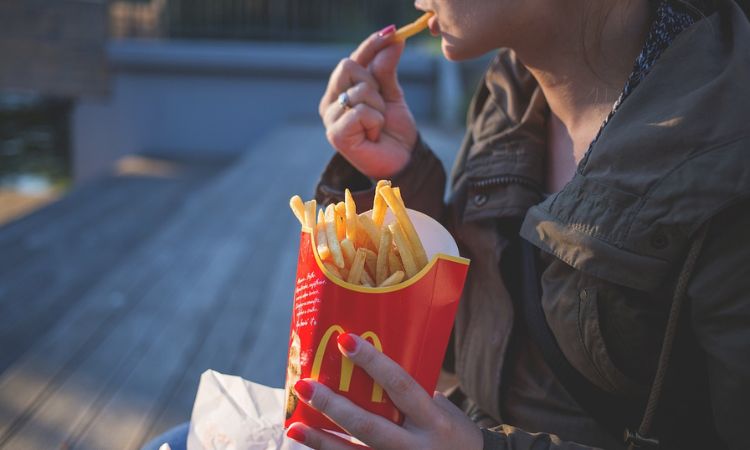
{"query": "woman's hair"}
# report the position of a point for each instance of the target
(598, 12)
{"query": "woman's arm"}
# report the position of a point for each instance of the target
(422, 182)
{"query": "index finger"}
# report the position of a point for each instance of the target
(370, 47)
(408, 396)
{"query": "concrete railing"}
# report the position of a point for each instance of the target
(215, 98)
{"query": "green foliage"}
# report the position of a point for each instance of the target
(34, 139)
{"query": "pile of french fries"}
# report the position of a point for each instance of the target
(360, 248)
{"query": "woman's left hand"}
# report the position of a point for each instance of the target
(431, 422)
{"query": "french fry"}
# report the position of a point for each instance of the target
(341, 220)
(298, 208)
(333, 240)
(413, 28)
(371, 260)
(420, 256)
(404, 249)
(358, 248)
(369, 227)
(310, 208)
(397, 192)
(367, 280)
(381, 270)
(379, 206)
(347, 248)
(358, 266)
(333, 269)
(394, 262)
(322, 240)
(394, 279)
(351, 216)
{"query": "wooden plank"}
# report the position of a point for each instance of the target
(154, 376)
(121, 362)
(37, 292)
(237, 326)
(138, 425)
(26, 386)
(91, 196)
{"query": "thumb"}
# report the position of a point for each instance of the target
(383, 68)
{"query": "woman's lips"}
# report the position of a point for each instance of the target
(434, 26)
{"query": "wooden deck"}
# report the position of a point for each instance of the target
(116, 298)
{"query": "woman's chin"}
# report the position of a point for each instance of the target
(454, 52)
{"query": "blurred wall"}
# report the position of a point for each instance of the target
(54, 47)
(214, 98)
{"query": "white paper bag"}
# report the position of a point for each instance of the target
(231, 413)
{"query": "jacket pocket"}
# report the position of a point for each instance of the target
(595, 347)
(570, 300)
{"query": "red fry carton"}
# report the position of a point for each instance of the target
(410, 322)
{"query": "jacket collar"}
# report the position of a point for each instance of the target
(674, 155)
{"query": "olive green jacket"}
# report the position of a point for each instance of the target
(676, 154)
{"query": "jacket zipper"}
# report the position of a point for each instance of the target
(498, 180)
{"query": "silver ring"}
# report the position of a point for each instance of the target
(344, 100)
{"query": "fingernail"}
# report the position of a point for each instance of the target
(304, 390)
(347, 342)
(296, 434)
(387, 30)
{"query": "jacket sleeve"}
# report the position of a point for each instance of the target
(719, 293)
(506, 437)
(422, 183)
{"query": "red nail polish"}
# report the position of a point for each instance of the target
(387, 30)
(347, 342)
(296, 434)
(304, 390)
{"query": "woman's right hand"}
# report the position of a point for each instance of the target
(376, 131)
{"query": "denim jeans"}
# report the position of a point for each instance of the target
(176, 438)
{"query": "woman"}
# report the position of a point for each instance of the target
(607, 226)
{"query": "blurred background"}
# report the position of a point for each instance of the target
(148, 150)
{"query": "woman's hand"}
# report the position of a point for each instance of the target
(375, 131)
(431, 422)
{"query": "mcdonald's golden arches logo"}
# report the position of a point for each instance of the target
(347, 366)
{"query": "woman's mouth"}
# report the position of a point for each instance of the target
(434, 25)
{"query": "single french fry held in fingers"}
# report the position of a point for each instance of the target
(393, 280)
(381, 266)
(358, 266)
(404, 250)
(420, 256)
(413, 28)
(298, 208)
(321, 237)
(341, 220)
(351, 216)
(333, 240)
(310, 208)
(379, 206)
